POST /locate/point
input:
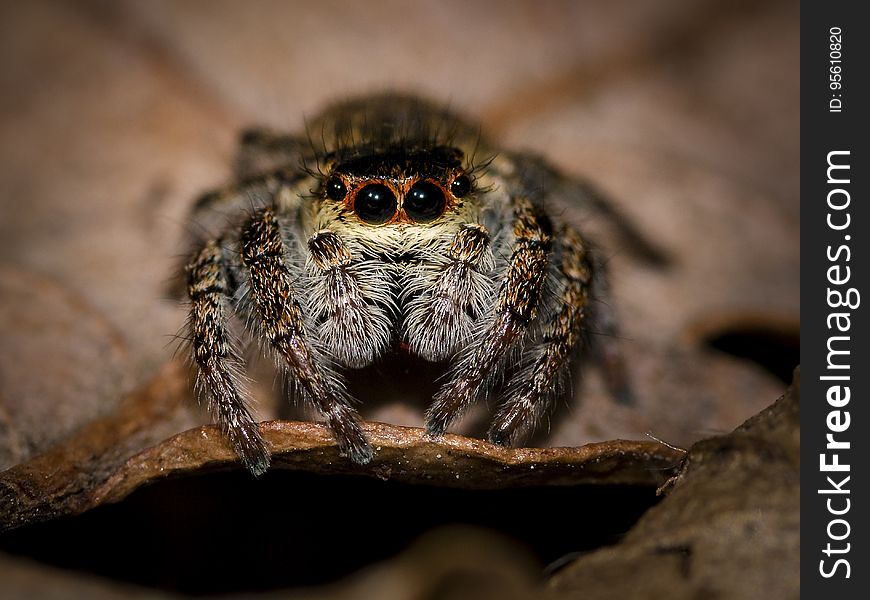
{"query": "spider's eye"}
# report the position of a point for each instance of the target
(375, 203)
(425, 202)
(335, 188)
(460, 186)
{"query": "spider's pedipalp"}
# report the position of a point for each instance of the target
(347, 300)
(448, 296)
(219, 377)
(279, 318)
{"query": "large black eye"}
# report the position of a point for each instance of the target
(335, 188)
(375, 203)
(460, 186)
(425, 202)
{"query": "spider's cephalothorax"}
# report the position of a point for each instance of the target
(390, 231)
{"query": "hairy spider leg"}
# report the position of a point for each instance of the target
(219, 369)
(545, 365)
(263, 150)
(279, 318)
(516, 308)
(602, 335)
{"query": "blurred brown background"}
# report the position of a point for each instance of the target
(114, 116)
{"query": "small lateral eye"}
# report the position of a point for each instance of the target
(335, 188)
(375, 203)
(460, 186)
(425, 202)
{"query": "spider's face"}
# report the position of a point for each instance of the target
(398, 186)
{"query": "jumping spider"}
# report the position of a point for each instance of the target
(392, 227)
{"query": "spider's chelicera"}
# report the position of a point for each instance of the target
(398, 239)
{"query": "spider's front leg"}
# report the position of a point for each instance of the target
(219, 367)
(516, 308)
(545, 365)
(276, 310)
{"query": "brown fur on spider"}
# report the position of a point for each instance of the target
(383, 228)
